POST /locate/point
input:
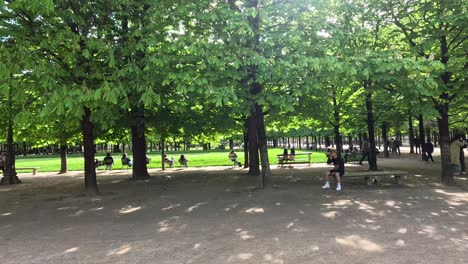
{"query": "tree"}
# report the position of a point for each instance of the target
(436, 31)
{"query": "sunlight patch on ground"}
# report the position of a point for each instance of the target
(240, 256)
(392, 203)
(454, 199)
(167, 224)
(356, 242)
(170, 207)
(6, 214)
(400, 243)
(121, 250)
(244, 234)
(279, 259)
(364, 206)
(96, 209)
(77, 213)
(330, 215)
(232, 206)
(190, 209)
(66, 208)
(129, 209)
(70, 250)
(342, 203)
(196, 246)
(431, 231)
(402, 230)
(254, 210)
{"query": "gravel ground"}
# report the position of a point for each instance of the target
(216, 215)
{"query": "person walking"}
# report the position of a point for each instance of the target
(429, 149)
(364, 151)
(338, 170)
(417, 145)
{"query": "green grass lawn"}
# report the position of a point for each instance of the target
(197, 158)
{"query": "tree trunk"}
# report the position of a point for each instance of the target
(63, 158)
(253, 145)
(10, 176)
(87, 126)
(262, 144)
(421, 132)
(231, 144)
(246, 143)
(385, 139)
(444, 137)
(163, 151)
(370, 129)
(411, 132)
(139, 169)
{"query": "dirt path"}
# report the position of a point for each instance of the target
(215, 215)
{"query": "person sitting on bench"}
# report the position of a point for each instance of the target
(170, 161)
(233, 157)
(338, 170)
(292, 154)
(183, 161)
(108, 161)
(126, 161)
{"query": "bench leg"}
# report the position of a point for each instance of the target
(34, 171)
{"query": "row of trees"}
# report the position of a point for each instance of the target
(188, 69)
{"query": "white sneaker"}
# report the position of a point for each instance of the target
(338, 187)
(326, 186)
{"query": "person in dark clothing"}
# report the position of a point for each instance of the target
(285, 155)
(429, 148)
(292, 155)
(365, 151)
(108, 161)
(338, 170)
(417, 145)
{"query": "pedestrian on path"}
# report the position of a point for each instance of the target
(429, 149)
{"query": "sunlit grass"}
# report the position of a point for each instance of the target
(197, 158)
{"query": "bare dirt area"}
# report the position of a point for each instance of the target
(216, 215)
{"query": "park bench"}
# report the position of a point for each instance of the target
(370, 176)
(33, 169)
(299, 158)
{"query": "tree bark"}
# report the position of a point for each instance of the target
(253, 145)
(10, 176)
(385, 139)
(246, 143)
(262, 144)
(63, 158)
(139, 169)
(87, 126)
(370, 129)
(411, 132)
(444, 137)
(421, 132)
